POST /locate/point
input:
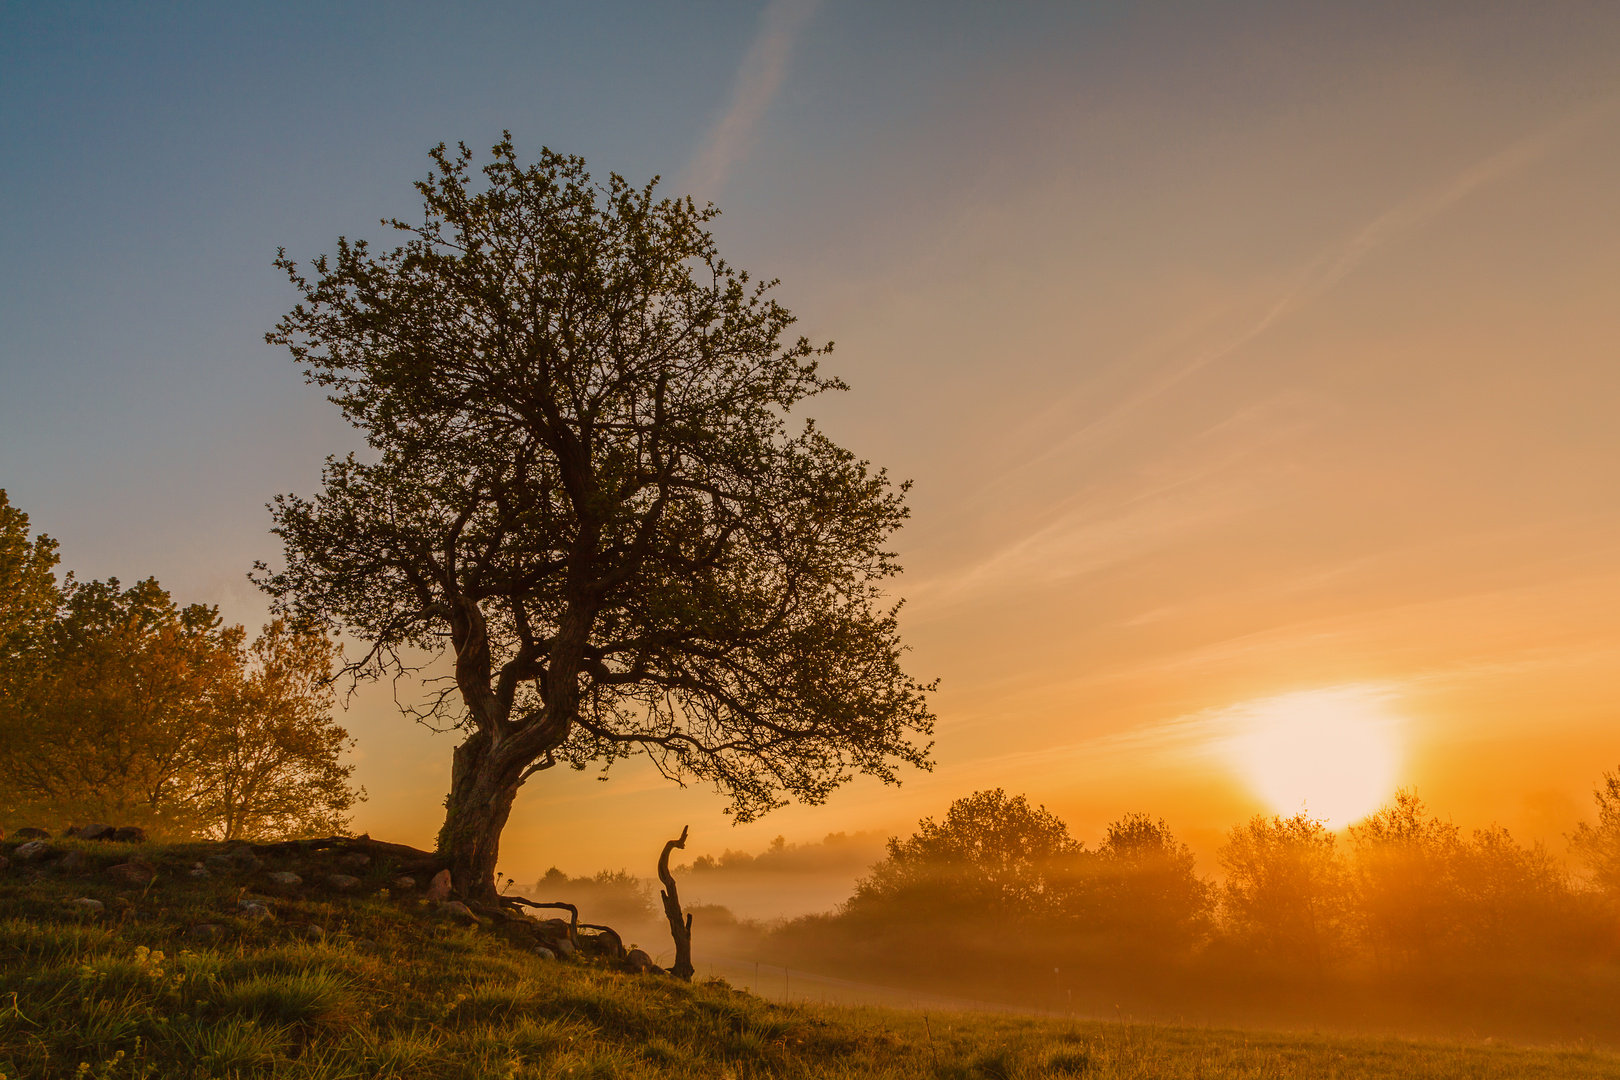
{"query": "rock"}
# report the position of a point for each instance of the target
(564, 947)
(252, 909)
(438, 888)
(34, 850)
(458, 911)
(405, 883)
(342, 882)
(28, 832)
(544, 953)
(355, 860)
(73, 862)
(223, 863)
(244, 859)
(638, 960)
(199, 871)
(86, 906)
(313, 932)
(285, 878)
(132, 873)
(127, 834)
(97, 831)
(206, 932)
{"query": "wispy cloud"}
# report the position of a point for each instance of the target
(1202, 483)
(1337, 261)
(758, 81)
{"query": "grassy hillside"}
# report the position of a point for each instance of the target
(373, 982)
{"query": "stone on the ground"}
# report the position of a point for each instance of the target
(94, 831)
(86, 905)
(199, 872)
(252, 909)
(638, 960)
(455, 909)
(28, 832)
(544, 953)
(206, 932)
(342, 882)
(439, 887)
(220, 862)
(404, 883)
(313, 932)
(355, 860)
(564, 947)
(73, 862)
(244, 859)
(33, 850)
(128, 834)
(284, 877)
(132, 873)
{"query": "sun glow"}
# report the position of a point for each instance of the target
(1335, 752)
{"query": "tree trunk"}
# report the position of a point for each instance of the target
(492, 763)
(482, 789)
(680, 929)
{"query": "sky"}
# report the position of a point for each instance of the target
(1255, 364)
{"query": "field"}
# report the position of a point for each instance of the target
(379, 985)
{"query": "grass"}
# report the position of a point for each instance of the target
(384, 989)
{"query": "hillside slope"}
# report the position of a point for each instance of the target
(233, 975)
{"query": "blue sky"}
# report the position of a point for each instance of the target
(1240, 353)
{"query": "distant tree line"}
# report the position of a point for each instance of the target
(118, 705)
(999, 893)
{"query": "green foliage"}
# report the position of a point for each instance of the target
(586, 488)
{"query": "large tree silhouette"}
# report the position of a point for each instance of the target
(584, 486)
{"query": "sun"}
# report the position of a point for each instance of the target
(1335, 752)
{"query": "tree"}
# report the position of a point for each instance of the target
(1285, 892)
(991, 855)
(1598, 846)
(1406, 864)
(119, 705)
(126, 682)
(1514, 902)
(1140, 886)
(268, 759)
(29, 598)
(584, 486)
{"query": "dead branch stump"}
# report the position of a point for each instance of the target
(679, 928)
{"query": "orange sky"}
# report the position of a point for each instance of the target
(1232, 357)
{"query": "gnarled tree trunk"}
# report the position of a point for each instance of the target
(679, 928)
(482, 790)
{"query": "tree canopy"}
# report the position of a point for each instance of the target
(583, 484)
(117, 704)
(992, 851)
